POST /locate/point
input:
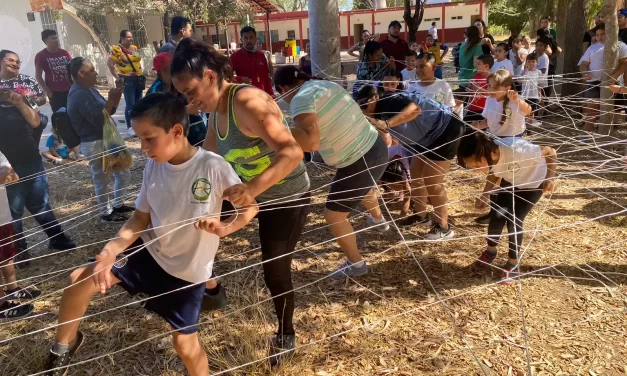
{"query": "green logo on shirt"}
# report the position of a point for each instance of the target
(201, 189)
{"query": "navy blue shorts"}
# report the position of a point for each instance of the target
(140, 273)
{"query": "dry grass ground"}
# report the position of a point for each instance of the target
(419, 311)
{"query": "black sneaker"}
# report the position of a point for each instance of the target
(62, 360)
(10, 311)
(61, 242)
(27, 293)
(123, 209)
(415, 219)
(214, 302)
(113, 218)
(484, 220)
(281, 349)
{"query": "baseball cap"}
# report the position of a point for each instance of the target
(394, 23)
(623, 12)
(161, 61)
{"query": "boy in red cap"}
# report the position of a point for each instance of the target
(161, 65)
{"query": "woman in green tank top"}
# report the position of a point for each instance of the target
(247, 129)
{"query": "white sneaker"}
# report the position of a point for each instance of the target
(130, 132)
(438, 233)
(536, 123)
(379, 225)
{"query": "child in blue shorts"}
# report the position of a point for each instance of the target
(163, 257)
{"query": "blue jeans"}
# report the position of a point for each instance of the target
(438, 72)
(31, 193)
(132, 95)
(103, 179)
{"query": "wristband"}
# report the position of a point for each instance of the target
(387, 124)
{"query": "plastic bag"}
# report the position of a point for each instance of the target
(116, 155)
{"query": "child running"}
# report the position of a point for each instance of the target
(432, 87)
(502, 62)
(523, 171)
(432, 132)
(327, 119)
(479, 86)
(9, 309)
(181, 183)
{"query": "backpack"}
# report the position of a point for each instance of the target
(61, 122)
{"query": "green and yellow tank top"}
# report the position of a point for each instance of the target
(250, 156)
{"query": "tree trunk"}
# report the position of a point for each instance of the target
(562, 19)
(72, 12)
(324, 33)
(572, 47)
(166, 26)
(610, 59)
(413, 22)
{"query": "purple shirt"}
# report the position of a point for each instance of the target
(54, 66)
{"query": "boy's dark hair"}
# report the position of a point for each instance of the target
(429, 58)
(503, 45)
(164, 110)
(178, 23)
(600, 26)
(487, 59)
(475, 144)
(532, 56)
(411, 53)
(193, 57)
(247, 29)
(367, 92)
(47, 34)
(433, 23)
(544, 41)
(393, 73)
(394, 172)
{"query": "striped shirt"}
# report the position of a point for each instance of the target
(345, 133)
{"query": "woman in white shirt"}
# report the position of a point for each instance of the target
(524, 171)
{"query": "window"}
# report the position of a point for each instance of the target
(262, 35)
(431, 19)
(291, 34)
(47, 20)
(138, 28)
(214, 39)
(274, 36)
(457, 18)
(99, 23)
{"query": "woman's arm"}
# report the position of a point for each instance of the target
(409, 113)
(354, 50)
(550, 155)
(306, 131)
(113, 99)
(258, 115)
(31, 116)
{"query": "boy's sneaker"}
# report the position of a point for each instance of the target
(10, 311)
(61, 242)
(509, 274)
(62, 360)
(484, 264)
(214, 302)
(27, 293)
(438, 233)
(123, 209)
(484, 220)
(113, 218)
(415, 219)
(379, 225)
(281, 349)
(348, 269)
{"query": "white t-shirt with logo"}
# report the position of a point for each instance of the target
(594, 55)
(514, 124)
(440, 91)
(505, 64)
(521, 163)
(175, 193)
(530, 81)
(5, 212)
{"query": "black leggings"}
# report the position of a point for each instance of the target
(280, 227)
(505, 205)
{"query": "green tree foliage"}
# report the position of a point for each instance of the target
(514, 15)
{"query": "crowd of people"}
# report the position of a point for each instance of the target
(221, 153)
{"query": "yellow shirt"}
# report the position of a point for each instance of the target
(122, 63)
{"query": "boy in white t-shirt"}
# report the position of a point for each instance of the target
(409, 73)
(501, 61)
(543, 67)
(171, 239)
(10, 310)
(432, 87)
(530, 89)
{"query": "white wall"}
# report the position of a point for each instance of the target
(20, 35)
(78, 42)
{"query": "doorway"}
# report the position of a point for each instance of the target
(357, 30)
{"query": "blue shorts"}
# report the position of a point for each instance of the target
(140, 273)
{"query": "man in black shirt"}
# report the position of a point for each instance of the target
(622, 25)
(589, 36)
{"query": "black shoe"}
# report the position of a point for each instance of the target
(113, 218)
(214, 302)
(10, 311)
(27, 293)
(123, 209)
(23, 257)
(61, 242)
(62, 360)
(484, 220)
(281, 349)
(414, 219)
